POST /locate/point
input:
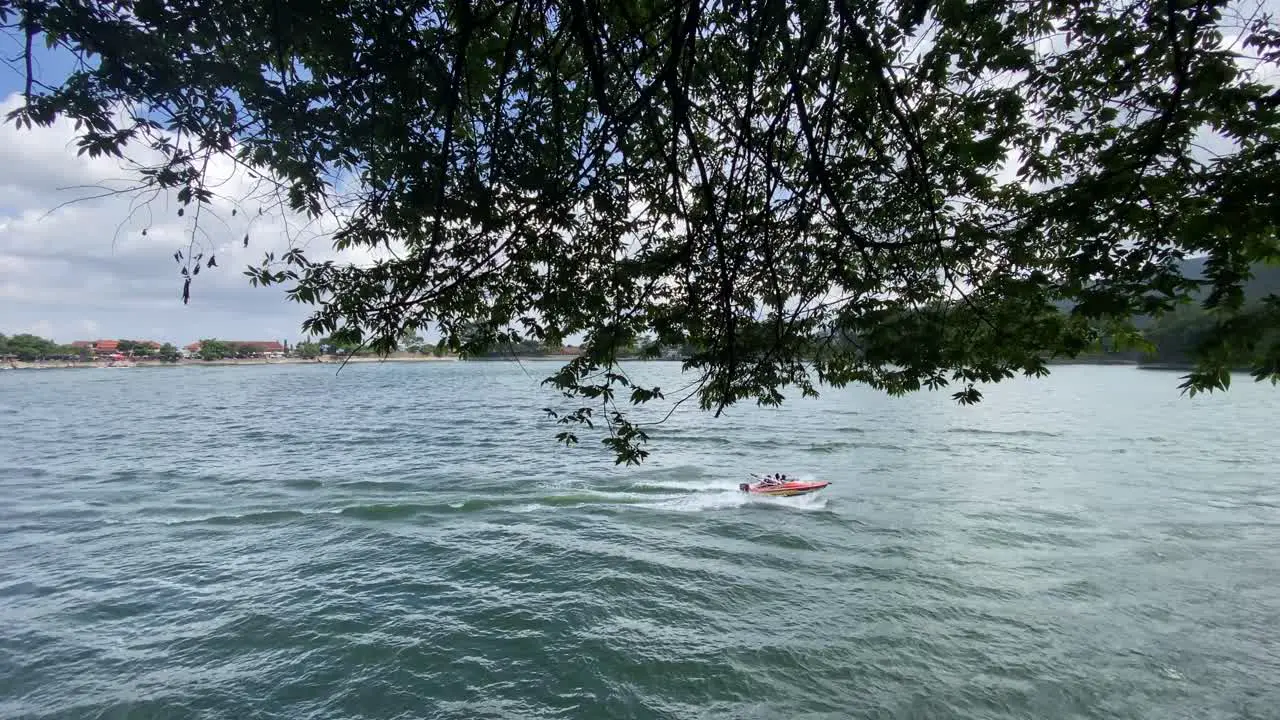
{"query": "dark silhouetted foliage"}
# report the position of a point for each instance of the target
(918, 184)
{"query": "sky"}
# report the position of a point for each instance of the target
(86, 271)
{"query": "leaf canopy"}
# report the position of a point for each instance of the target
(902, 194)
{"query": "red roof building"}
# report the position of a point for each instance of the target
(112, 347)
(262, 346)
(99, 347)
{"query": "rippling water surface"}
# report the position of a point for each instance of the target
(402, 541)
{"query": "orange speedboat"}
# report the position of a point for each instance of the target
(785, 488)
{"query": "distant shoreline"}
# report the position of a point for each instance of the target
(413, 358)
(1094, 361)
(322, 360)
(156, 363)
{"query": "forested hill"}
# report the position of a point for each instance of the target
(1265, 281)
(1176, 333)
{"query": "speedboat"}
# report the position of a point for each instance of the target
(783, 489)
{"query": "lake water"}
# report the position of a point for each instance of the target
(408, 541)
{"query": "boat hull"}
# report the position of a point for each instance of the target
(788, 489)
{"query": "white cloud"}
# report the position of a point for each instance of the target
(87, 270)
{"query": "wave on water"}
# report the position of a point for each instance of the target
(376, 485)
(830, 447)
(756, 443)
(838, 445)
(695, 439)
(728, 500)
(1005, 433)
(251, 517)
(668, 486)
(706, 493)
(24, 472)
(687, 497)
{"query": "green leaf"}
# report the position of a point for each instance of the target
(779, 196)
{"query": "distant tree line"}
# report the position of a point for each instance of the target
(31, 348)
(478, 347)
(1170, 339)
(1173, 338)
(215, 349)
(633, 347)
(168, 353)
(140, 349)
